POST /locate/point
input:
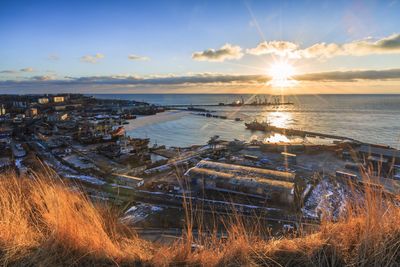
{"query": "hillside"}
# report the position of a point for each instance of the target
(45, 222)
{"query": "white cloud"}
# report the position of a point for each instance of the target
(368, 46)
(29, 69)
(136, 57)
(226, 52)
(92, 58)
(323, 50)
(201, 78)
(281, 48)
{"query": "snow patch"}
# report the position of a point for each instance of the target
(140, 212)
(327, 199)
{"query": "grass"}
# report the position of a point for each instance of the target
(44, 222)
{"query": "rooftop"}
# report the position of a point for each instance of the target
(378, 150)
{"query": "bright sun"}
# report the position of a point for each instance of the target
(281, 74)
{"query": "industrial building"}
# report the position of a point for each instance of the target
(275, 186)
(127, 180)
(58, 99)
(380, 151)
(43, 100)
(380, 159)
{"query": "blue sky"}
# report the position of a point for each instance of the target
(59, 39)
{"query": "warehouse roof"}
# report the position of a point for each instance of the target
(245, 171)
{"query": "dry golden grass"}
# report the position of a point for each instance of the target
(43, 222)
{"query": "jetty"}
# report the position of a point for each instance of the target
(257, 101)
(266, 127)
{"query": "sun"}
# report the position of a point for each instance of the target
(281, 74)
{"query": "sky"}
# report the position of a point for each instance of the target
(199, 46)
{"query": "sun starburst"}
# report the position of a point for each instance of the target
(281, 74)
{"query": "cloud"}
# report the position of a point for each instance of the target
(387, 45)
(8, 72)
(351, 76)
(281, 48)
(29, 69)
(136, 57)
(199, 79)
(92, 58)
(43, 78)
(226, 52)
(321, 50)
(368, 46)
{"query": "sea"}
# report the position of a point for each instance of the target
(368, 118)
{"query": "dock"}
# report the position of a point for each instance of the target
(190, 106)
(255, 126)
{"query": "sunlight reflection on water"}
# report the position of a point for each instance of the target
(369, 118)
(277, 138)
(279, 119)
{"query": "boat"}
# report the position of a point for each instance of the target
(258, 126)
(275, 102)
(258, 102)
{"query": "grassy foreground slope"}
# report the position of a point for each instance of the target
(46, 223)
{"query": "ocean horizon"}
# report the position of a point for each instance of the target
(366, 117)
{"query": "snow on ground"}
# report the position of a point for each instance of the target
(140, 212)
(55, 164)
(67, 172)
(18, 163)
(327, 199)
(20, 166)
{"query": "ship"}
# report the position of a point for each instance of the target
(258, 102)
(275, 102)
(258, 126)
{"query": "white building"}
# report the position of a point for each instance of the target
(2, 110)
(43, 100)
(58, 99)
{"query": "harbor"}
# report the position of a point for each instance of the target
(266, 127)
(257, 101)
(274, 173)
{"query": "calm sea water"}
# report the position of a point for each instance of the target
(369, 118)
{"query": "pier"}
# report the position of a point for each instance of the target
(257, 126)
(234, 104)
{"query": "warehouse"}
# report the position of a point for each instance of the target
(380, 159)
(274, 186)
